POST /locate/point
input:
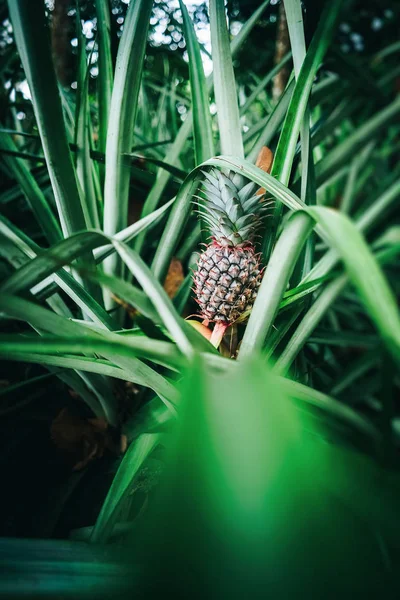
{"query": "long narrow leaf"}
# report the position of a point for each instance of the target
(32, 192)
(132, 368)
(133, 460)
(31, 34)
(123, 111)
(369, 218)
(68, 250)
(286, 149)
(105, 77)
(273, 285)
(159, 297)
(162, 353)
(364, 273)
(264, 82)
(342, 152)
(291, 128)
(65, 281)
(84, 165)
(294, 16)
(224, 83)
(202, 125)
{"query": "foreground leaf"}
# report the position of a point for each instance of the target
(250, 496)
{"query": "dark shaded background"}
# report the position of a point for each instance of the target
(41, 495)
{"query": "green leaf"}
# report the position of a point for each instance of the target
(131, 368)
(52, 260)
(159, 352)
(32, 191)
(172, 233)
(59, 568)
(239, 40)
(357, 164)
(178, 173)
(364, 272)
(264, 82)
(274, 282)
(369, 218)
(130, 232)
(353, 371)
(84, 165)
(315, 313)
(74, 290)
(128, 293)
(31, 35)
(287, 143)
(202, 124)
(224, 83)
(45, 320)
(309, 322)
(334, 409)
(122, 117)
(105, 77)
(286, 148)
(123, 483)
(65, 281)
(237, 459)
(102, 368)
(354, 142)
(270, 125)
(159, 297)
(68, 250)
(294, 17)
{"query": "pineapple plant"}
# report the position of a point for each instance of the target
(229, 271)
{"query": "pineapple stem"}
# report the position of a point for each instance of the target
(218, 333)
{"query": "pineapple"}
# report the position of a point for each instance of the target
(228, 271)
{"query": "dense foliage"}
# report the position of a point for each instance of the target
(238, 459)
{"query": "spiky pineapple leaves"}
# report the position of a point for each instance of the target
(253, 501)
(231, 207)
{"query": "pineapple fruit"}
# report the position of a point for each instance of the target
(228, 271)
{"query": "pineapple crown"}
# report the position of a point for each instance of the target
(232, 210)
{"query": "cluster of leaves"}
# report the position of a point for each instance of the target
(96, 204)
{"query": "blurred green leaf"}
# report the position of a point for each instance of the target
(249, 491)
(123, 484)
(59, 568)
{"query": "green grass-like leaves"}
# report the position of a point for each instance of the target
(276, 444)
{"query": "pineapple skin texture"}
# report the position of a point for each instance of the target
(226, 281)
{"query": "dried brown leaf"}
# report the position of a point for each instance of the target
(264, 161)
(174, 277)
